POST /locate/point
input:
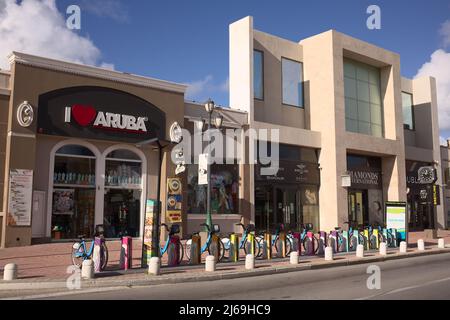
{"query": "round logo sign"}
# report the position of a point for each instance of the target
(176, 133)
(25, 114)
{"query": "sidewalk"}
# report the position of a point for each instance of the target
(48, 263)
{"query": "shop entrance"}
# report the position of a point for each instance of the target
(358, 213)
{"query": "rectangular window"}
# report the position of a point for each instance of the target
(363, 107)
(408, 111)
(258, 74)
(292, 74)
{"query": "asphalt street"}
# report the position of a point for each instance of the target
(426, 277)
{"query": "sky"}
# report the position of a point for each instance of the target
(187, 41)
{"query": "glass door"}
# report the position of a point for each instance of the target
(263, 207)
(357, 208)
(288, 207)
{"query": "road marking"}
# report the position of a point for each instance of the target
(405, 289)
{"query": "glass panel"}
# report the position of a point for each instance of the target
(375, 94)
(364, 127)
(122, 213)
(75, 150)
(374, 76)
(349, 70)
(123, 154)
(351, 125)
(224, 190)
(123, 174)
(408, 118)
(362, 73)
(263, 207)
(74, 171)
(308, 155)
(363, 111)
(258, 74)
(350, 88)
(292, 74)
(377, 131)
(73, 213)
(310, 206)
(363, 91)
(375, 114)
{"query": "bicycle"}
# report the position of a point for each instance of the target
(209, 245)
(80, 252)
(276, 241)
(243, 243)
(172, 242)
(308, 238)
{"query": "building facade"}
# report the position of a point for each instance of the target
(73, 152)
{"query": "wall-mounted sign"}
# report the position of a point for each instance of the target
(346, 181)
(396, 218)
(174, 200)
(203, 169)
(150, 225)
(291, 172)
(365, 178)
(99, 113)
(25, 114)
(422, 176)
(176, 133)
(20, 197)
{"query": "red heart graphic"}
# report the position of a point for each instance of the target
(84, 115)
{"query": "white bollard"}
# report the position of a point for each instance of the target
(328, 254)
(420, 245)
(294, 257)
(154, 266)
(249, 262)
(403, 247)
(87, 269)
(360, 251)
(210, 264)
(383, 249)
(441, 243)
(10, 272)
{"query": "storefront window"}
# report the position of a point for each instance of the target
(123, 189)
(309, 202)
(73, 210)
(224, 190)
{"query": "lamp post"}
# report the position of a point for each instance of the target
(210, 107)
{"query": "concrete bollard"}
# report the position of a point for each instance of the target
(154, 267)
(441, 243)
(328, 254)
(87, 269)
(420, 245)
(383, 249)
(403, 247)
(249, 262)
(210, 264)
(10, 272)
(294, 257)
(360, 251)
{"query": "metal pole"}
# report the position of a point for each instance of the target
(208, 173)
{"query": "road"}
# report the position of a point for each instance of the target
(426, 277)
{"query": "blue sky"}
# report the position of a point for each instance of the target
(187, 41)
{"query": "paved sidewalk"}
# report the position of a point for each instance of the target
(49, 262)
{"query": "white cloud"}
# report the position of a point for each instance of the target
(439, 67)
(445, 33)
(37, 27)
(205, 88)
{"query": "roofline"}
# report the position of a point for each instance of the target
(96, 72)
(220, 107)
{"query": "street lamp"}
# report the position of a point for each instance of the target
(218, 121)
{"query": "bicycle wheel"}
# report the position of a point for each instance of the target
(104, 257)
(187, 249)
(217, 248)
(373, 242)
(77, 254)
(278, 245)
(353, 243)
(180, 251)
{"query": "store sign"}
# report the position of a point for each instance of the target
(396, 218)
(291, 172)
(20, 197)
(174, 200)
(99, 113)
(365, 178)
(428, 195)
(421, 176)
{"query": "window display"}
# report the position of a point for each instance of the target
(224, 190)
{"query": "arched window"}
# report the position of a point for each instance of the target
(123, 192)
(73, 206)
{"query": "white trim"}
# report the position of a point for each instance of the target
(21, 135)
(83, 70)
(225, 124)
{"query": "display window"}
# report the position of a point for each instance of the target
(224, 190)
(73, 211)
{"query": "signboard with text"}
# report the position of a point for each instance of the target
(20, 197)
(396, 218)
(174, 200)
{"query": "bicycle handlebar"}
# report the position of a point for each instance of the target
(205, 225)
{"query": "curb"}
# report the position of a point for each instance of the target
(159, 280)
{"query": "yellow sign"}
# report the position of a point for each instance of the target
(174, 200)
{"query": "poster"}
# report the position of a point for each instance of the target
(149, 228)
(20, 197)
(396, 218)
(203, 169)
(174, 200)
(63, 201)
